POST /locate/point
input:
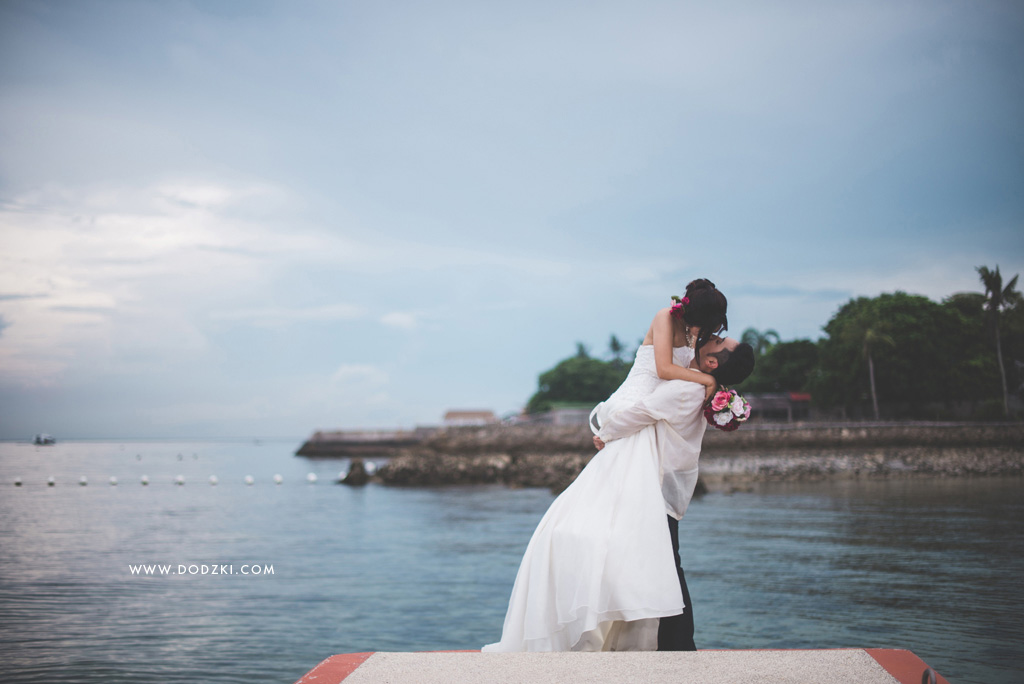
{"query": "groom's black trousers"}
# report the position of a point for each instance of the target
(676, 633)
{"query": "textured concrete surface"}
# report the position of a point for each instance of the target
(854, 666)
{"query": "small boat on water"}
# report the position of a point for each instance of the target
(43, 439)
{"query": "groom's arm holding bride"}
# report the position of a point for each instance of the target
(677, 402)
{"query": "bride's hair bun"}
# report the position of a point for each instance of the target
(706, 309)
(699, 284)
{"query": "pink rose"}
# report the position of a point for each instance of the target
(720, 401)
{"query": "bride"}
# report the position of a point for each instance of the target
(599, 571)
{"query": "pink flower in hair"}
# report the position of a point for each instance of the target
(679, 308)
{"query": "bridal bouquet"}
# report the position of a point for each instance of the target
(727, 409)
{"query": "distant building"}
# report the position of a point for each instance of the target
(466, 418)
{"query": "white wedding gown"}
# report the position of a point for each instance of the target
(599, 570)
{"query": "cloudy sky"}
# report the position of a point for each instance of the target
(262, 218)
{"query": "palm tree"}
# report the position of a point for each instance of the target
(998, 298)
(616, 349)
(760, 341)
(872, 337)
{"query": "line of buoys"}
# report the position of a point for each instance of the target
(311, 478)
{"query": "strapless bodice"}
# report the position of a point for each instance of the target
(643, 376)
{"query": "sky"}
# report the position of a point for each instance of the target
(259, 219)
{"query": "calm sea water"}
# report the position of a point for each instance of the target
(934, 566)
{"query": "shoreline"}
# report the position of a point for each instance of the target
(552, 456)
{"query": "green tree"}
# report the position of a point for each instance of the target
(760, 341)
(577, 379)
(974, 372)
(873, 336)
(616, 349)
(997, 299)
(785, 367)
(918, 368)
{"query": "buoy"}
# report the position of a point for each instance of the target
(83, 481)
(278, 479)
(17, 482)
(113, 480)
(371, 467)
(214, 480)
(311, 478)
(50, 481)
(249, 480)
(180, 480)
(144, 480)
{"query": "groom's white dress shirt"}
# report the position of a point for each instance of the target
(674, 410)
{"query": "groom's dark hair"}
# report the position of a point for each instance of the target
(734, 366)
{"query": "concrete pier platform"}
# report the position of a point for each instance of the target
(835, 666)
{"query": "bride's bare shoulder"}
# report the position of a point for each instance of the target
(660, 317)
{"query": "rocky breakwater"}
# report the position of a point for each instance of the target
(355, 443)
(553, 455)
(516, 455)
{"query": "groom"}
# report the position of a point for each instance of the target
(675, 408)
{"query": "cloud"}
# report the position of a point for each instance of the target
(99, 272)
(13, 297)
(273, 317)
(791, 292)
(400, 320)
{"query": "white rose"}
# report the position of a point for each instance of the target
(723, 417)
(736, 405)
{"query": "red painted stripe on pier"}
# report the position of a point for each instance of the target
(335, 669)
(904, 666)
